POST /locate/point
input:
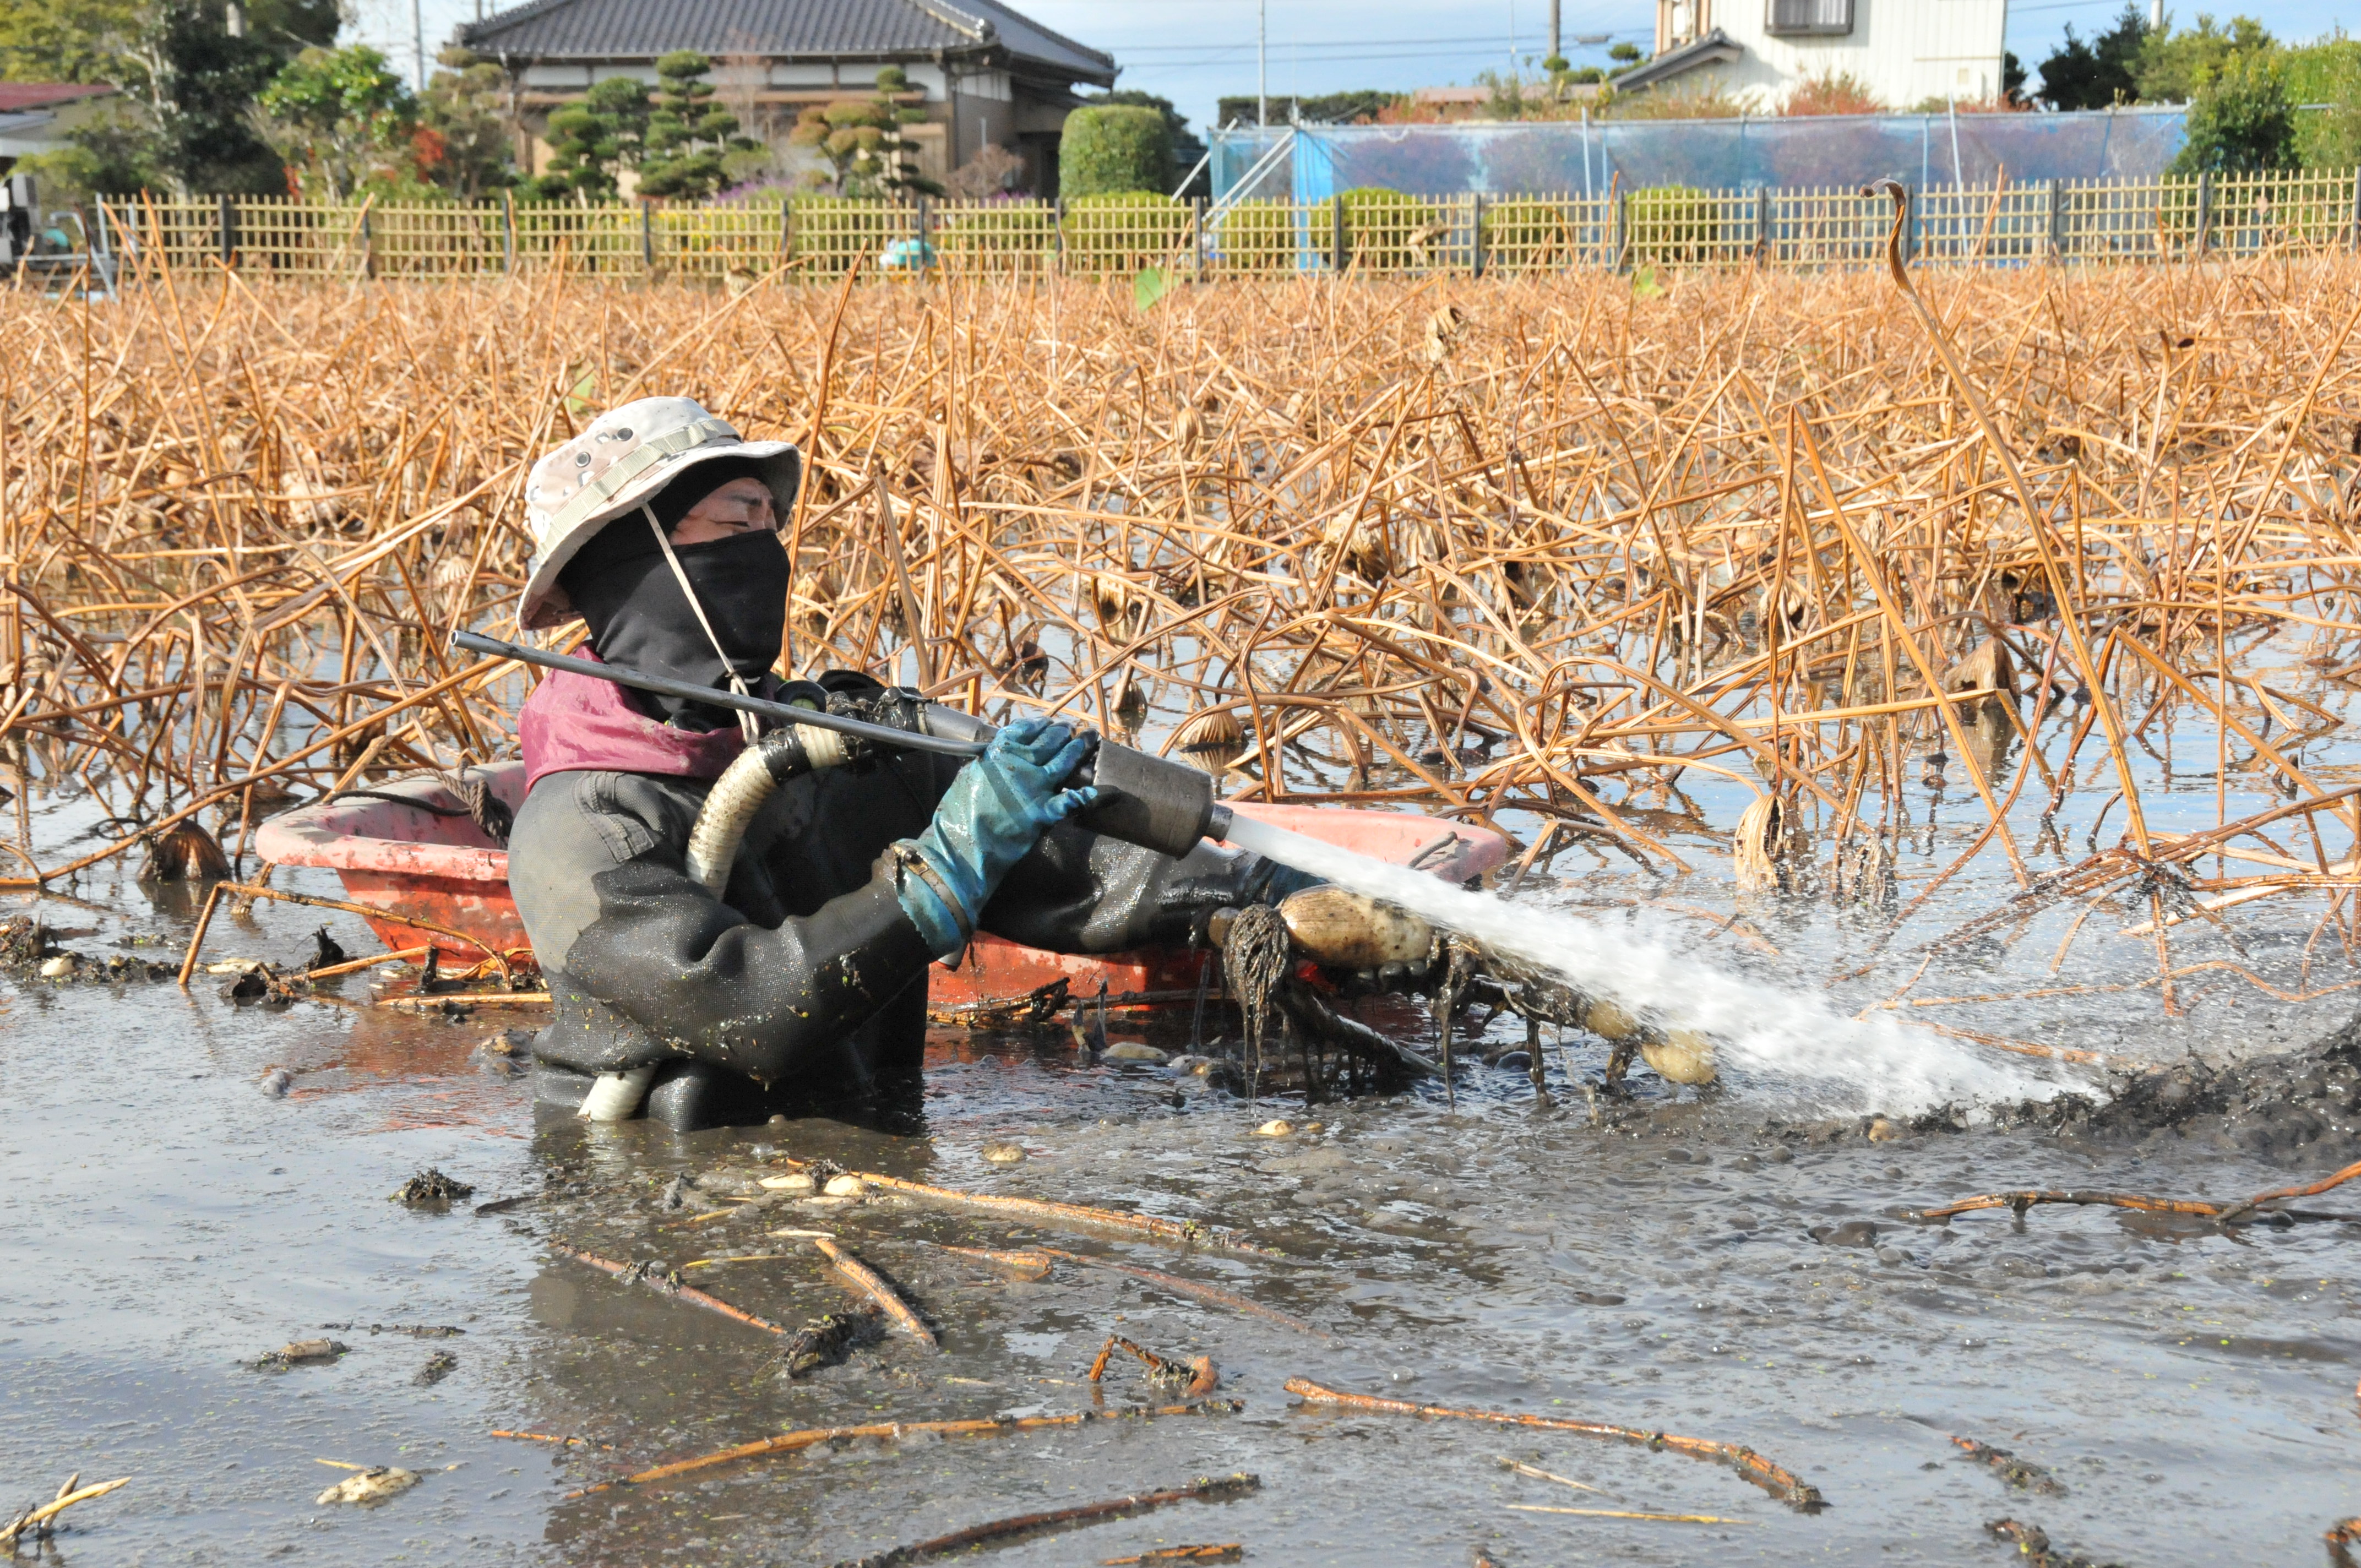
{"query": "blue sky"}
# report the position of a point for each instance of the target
(1192, 51)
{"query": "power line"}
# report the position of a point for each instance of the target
(1462, 40)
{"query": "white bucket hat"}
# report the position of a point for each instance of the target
(617, 465)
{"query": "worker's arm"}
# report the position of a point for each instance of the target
(1080, 892)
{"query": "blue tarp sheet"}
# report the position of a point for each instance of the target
(1839, 151)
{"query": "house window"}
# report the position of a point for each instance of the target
(1789, 17)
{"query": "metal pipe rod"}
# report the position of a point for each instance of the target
(664, 686)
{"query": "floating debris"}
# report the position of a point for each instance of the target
(369, 1485)
(1276, 1129)
(439, 1366)
(1224, 1551)
(431, 1186)
(869, 1282)
(825, 1340)
(2220, 1213)
(1027, 1266)
(663, 1278)
(277, 1082)
(1198, 1377)
(1003, 1153)
(1204, 1489)
(2032, 1544)
(1772, 1478)
(1628, 1514)
(36, 1519)
(300, 1353)
(411, 1331)
(326, 952)
(2022, 1474)
(894, 1431)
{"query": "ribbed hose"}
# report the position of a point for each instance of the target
(742, 788)
(713, 844)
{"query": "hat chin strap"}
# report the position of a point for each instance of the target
(747, 724)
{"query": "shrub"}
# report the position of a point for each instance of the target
(829, 232)
(1124, 232)
(1256, 236)
(1836, 93)
(1670, 224)
(1113, 149)
(1530, 231)
(1384, 228)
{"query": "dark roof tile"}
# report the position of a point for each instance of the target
(630, 29)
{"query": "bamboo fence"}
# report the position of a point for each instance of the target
(2056, 222)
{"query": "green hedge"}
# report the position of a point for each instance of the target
(1388, 228)
(1113, 150)
(1529, 231)
(1670, 224)
(1124, 232)
(1257, 236)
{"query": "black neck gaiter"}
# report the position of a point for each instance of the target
(622, 585)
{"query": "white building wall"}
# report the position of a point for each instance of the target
(1904, 51)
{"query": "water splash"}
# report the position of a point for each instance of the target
(1795, 1044)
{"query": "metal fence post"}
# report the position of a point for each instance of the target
(2054, 222)
(1619, 239)
(1475, 234)
(1197, 233)
(787, 231)
(647, 239)
(228, 210)
(1762, 225)
(1337, 252)
(2353, 233)
(508, 232)
(368, 240)
(2204, 210)
(1057, 236)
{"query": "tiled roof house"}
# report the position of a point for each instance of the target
(980, 71)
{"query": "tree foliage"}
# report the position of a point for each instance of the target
(862, 144)
(2241, 118)
(2174, 65)
(341, 119)
(465, 112)
(1360, 107)
(688, 133)
(1113, 149)
(590, 140)
(2100, 73)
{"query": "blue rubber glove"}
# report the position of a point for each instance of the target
(993, 814)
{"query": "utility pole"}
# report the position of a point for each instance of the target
(1557, 52)
(418, 41)
(1262, 62)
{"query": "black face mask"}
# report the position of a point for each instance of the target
(622, 585)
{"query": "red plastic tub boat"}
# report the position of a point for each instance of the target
(413, 864)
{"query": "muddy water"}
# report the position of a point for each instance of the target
(1735, 1267)
(170, 1220)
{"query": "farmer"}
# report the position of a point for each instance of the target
(805, 983)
